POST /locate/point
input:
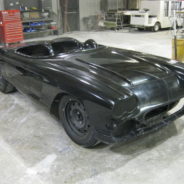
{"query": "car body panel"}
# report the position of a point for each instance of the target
(118, 87)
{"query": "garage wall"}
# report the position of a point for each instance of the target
(133, 4)
(123, 4)
(1, 5)
(88, 11)
(30, 3)
(55, 5)
(113, 4)
(57, 14)
(35, 3)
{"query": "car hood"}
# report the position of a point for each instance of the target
(144, 75)
(133, 67)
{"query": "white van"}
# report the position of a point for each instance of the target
(155, 14)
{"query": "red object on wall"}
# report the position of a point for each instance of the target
(11, 29)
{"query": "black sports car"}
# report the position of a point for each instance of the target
(99, 93)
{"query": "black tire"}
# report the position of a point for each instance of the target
(5, 86)
(74, 118)
(156, 27)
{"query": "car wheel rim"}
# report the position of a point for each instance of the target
(156, 27)
(76, 118)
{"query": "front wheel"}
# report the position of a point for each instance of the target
(75, 120)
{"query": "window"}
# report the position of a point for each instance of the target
(166, 9)
(35, 51)
(64, 47)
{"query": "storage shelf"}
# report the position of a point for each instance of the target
(24, 11)
(37, 20)
(30, 26)
(40, 31)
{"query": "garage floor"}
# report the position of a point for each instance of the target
(34, 148)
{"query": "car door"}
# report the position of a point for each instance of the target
(26, 73)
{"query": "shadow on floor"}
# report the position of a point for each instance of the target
(145, 143)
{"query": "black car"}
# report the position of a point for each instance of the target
(99, 93)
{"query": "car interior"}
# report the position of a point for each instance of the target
(65, 47)
(57, 48)
(35, 51)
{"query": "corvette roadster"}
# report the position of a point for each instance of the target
(98, 93)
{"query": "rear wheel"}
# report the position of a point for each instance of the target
(156, 27)
(76, 123)
(5, 86)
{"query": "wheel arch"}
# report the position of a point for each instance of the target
(89, 95)
(54, 109)
(88, 101)
(158, 22)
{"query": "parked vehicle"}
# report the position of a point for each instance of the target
(99, 93)
(113, 19)
(117, 19)
(156, 14)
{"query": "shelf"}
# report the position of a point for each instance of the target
(40, 34)
(37, 20)
(29, 26)
(24, 11)
(43, 31)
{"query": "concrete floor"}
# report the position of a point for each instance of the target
(34, 148)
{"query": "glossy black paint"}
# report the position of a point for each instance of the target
(125, 93)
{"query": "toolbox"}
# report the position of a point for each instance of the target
(11, 29)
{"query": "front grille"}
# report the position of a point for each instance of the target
(155, 120)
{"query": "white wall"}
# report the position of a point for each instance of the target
(57, 14)
(55, 5)
(88, 8)
(153, 6)
(133, 4)
(114, 4)
(1, 5)
(123, 4)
